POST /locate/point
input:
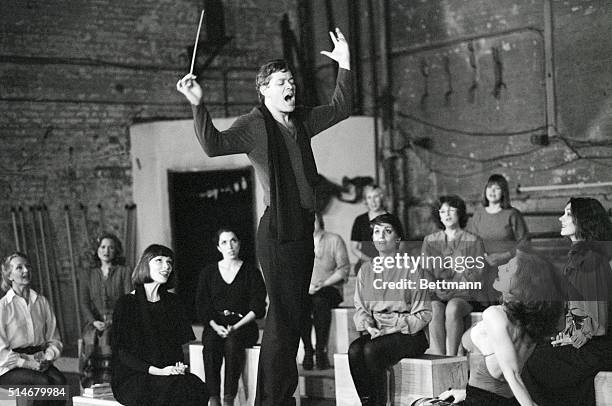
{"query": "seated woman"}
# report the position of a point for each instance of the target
(231, 294)
(330, 271)
(501, 343)
(149, 330)
(393, 318)
(501, 227)
(100, 289)
(584, 347)
(466, 251)
(29, 339)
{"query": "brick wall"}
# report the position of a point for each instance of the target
(444, 58)
(74, 75)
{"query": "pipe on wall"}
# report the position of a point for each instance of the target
(524, 189)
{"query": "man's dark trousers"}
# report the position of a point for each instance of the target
(287, 268)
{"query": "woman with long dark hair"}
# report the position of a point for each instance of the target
(231, 295)
(584, 347)
(149, 330)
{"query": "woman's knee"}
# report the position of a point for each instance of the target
(55, 377)
(372, 351)
(355, 349)
(233, 345)
(457, 309)
(438, 310)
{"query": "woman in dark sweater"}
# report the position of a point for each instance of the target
(149, 330)
(231, 295)
(584, 347)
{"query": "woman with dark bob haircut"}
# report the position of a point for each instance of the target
(392, 320)
(149, 331)
(100, 288)
(499, 225)
(500, 344)
(454, 255)
(584, 347)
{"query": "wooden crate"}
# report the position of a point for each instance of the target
(346, 394)
(411, 378)
(248, 381)
(249, 377)
(317, 384)
(5, 400)
(196, 367)
(428, 375)
(85, 401)
(603, 388)
(474, 318)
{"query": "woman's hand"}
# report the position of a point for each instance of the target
(314, 288)
(221, 331)
(180, 368)
(34, 365)
(457, 394)
(390, 330)
(579, 339)
(561, 339)
(176, 369)
(374, 332)
(190, 88)
(37, 356)
(340, 53)
(99, 325)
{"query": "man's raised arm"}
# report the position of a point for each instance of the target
(236, 139)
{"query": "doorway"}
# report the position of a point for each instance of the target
(200, 203)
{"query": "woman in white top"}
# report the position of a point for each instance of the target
(29, 339)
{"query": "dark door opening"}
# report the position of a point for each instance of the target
(200, 204)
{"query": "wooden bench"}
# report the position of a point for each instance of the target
(5, 400)
(472, 319)
(411, 378)
(85, 401)
(247, 384)
(603, 388)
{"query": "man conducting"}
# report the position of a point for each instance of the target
(276, 138)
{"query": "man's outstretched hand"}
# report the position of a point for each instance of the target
(340, 53)
(190, 88)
